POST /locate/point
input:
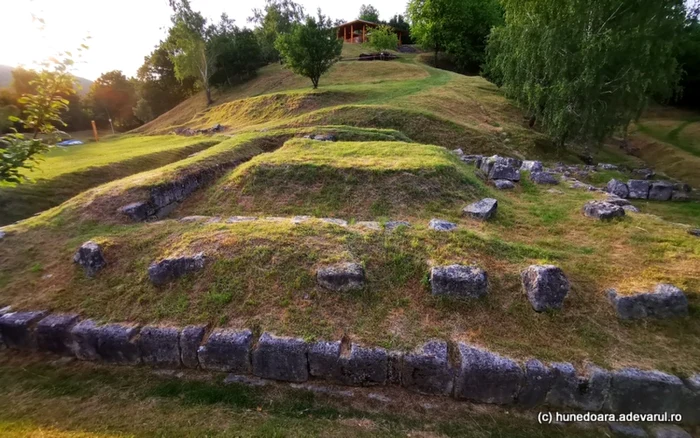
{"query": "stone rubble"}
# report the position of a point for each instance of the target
(90, 257)
(602, 210)
(481, 210)
(166, 270)
(666, 301)
(441, 225)
(341, 277)
(459, 281)
(546, 287)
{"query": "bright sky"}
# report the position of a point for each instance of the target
(124, 31)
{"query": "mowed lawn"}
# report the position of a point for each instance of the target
(62, 160)
(66, 171)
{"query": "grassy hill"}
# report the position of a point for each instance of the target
(395, 123)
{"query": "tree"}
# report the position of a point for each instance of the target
(584, 69)
(237, 51)
(275, 19)
(459, 27)
(689, 59)
(310, 49)
(158, 85)
(383, 38)
(190, 53)
(40, 117)
(369, 13)
(397, 22)
(113, 96)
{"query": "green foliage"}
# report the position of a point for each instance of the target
(112, 97)
(398, 23)
(275, 19)
(188, 48)
(383, 38)
(584, 69)
(310, 49)
(689, 59)
(459, 27)
(158, 85)
(369, 13)
(17, 153)
(40, 116)
(237, 53)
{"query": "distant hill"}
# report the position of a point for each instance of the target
(6, 79)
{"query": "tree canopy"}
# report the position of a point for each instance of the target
(584, 69)
(458, 27)
(275, 19)
(310, 49)
(113, 96)
(369, 13)
(383, 37)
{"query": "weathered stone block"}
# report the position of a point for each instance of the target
(618, 188)
(115, 344)
(639, 188)
(53, 333)
(281, 358)
(579, 392)
(441, 225)
(669, 431)
(227, 350)
(602, 210)
(546, 286)
(137, 211)
(633, 390)
(627, 431)
(661, 191)
(532, 166)
(427, 370)
(486, 377)
(363, 366)
(393, 225)
(504, 171)
(17, 329)
(537, 382)
(481, 210)
(90, 257)
(459, 281)
(667, 301)
(169, 269)
(160, 346)
(503, 184)
(324, 360)
(394, 367)
(84, 340)
(544, 178)
(190, 341)
(341, 277)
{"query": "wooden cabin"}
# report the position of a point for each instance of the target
(356, 32)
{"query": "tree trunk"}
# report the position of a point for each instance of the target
(207, 89)
(533, 120)
(314, 81)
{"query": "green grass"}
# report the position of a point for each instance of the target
(66, 172)
(99, 402)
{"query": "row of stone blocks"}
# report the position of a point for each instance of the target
(166, 197)
(467, 373)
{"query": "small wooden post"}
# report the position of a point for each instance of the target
(364, 26)
(352, 33)
(94, 130)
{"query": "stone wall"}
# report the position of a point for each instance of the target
(165, 198)
(464, 372)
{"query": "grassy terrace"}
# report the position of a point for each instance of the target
(67, 171)
(80, 401)
(389, 164)
(261, 274)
